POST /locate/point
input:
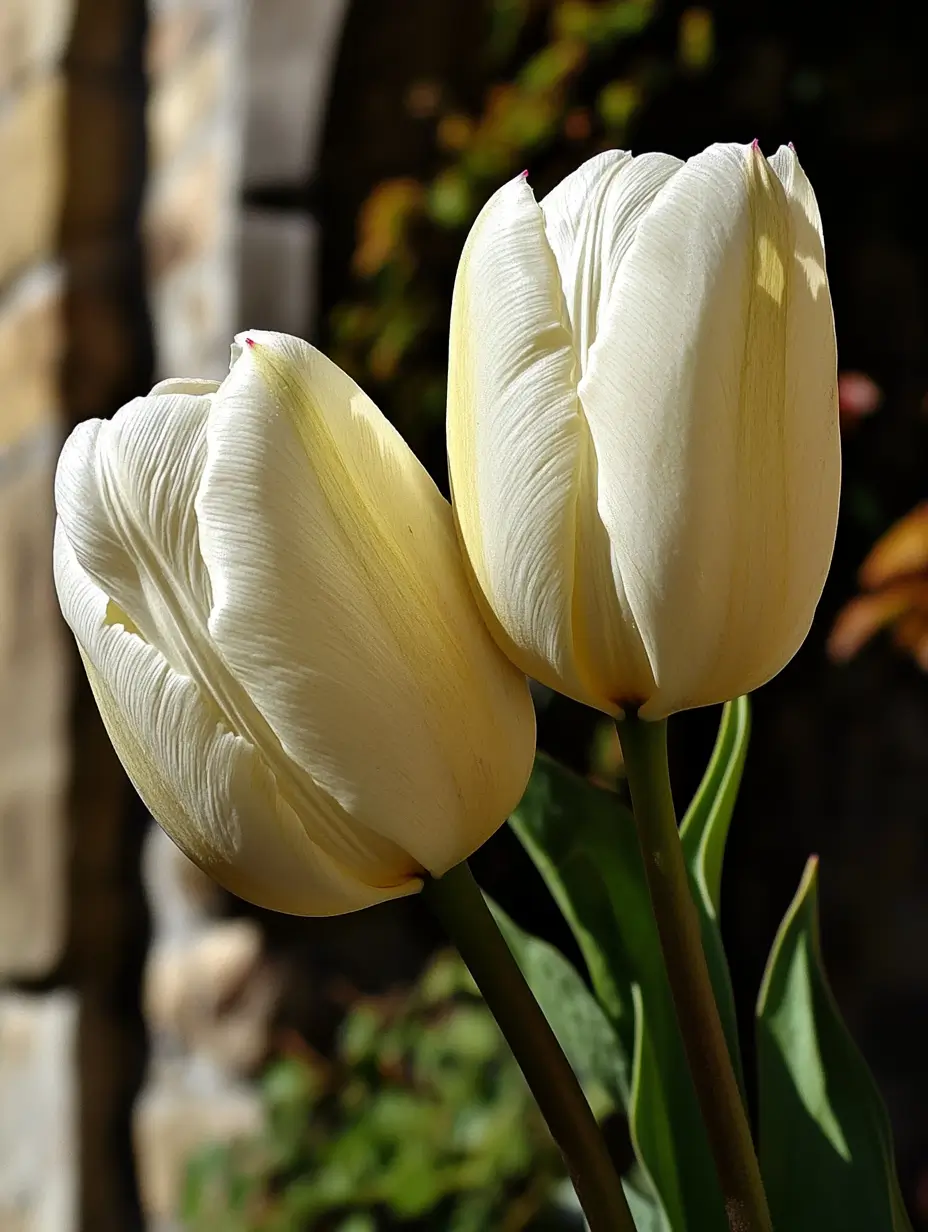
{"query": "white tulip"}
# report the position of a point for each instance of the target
(269, 598)
(642, 424)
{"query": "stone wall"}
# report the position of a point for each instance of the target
(235, 112)
(38, 1178)
(193, 207)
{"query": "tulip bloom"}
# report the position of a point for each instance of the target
(642, 425)
(269, 598)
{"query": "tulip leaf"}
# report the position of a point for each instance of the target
(825, 1141)
(586, 1035)
(646, 1208)
(650, 1120)
(703, 834)
(583, 841)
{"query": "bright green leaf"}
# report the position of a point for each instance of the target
(703, 834)
(825, 1141)
(650, 1119)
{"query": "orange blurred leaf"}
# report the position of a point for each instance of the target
(865, 615)
(910, 633)
(455, 132)
(902, 551)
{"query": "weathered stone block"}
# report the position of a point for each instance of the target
(212, 996)
(32, 881)
(182, 899)
(187, 99)
(193, 309)
(33, 683)
(175, 31)
(30, 347)
(38, 1119)
(277, 271)
(33, 703)
(31, 156)
(176, 1118)
(186, 211)
(291, 54)
(33, 34)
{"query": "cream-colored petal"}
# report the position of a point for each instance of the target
(812, 427)
(124, 491)
(590, 220)
(184, 385)
(686, 397)
(208, 787)
(516, 439)
(340, 603)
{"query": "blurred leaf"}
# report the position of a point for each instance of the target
(383, 222)
(583, 841)
(551, 67)
(825, 1141)
(455, 132)
(902, 551)
(703, 834)
(867, 614)
(896, 572)
(618, 102)
(584, 1032)
(359, 1222)
(507, 21)
(450, 199)
(696, 38)
(423, 1115)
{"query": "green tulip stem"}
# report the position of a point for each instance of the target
(644, 746)
(458, 903)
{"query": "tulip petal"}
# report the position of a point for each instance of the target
(515, 438)
(340, 603)
(710, 485)
(208, 787)
(591, 218)
(811, 428)
(124, 490)
(518, 448)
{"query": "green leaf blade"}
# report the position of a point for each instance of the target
(584, 843)
(703, 834)
(586, 1035)
(825, 1140)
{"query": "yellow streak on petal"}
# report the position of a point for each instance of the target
(462, 435)
(771, 274)
(761, 426)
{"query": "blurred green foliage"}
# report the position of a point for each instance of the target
(422, 1119)
(563, 79)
